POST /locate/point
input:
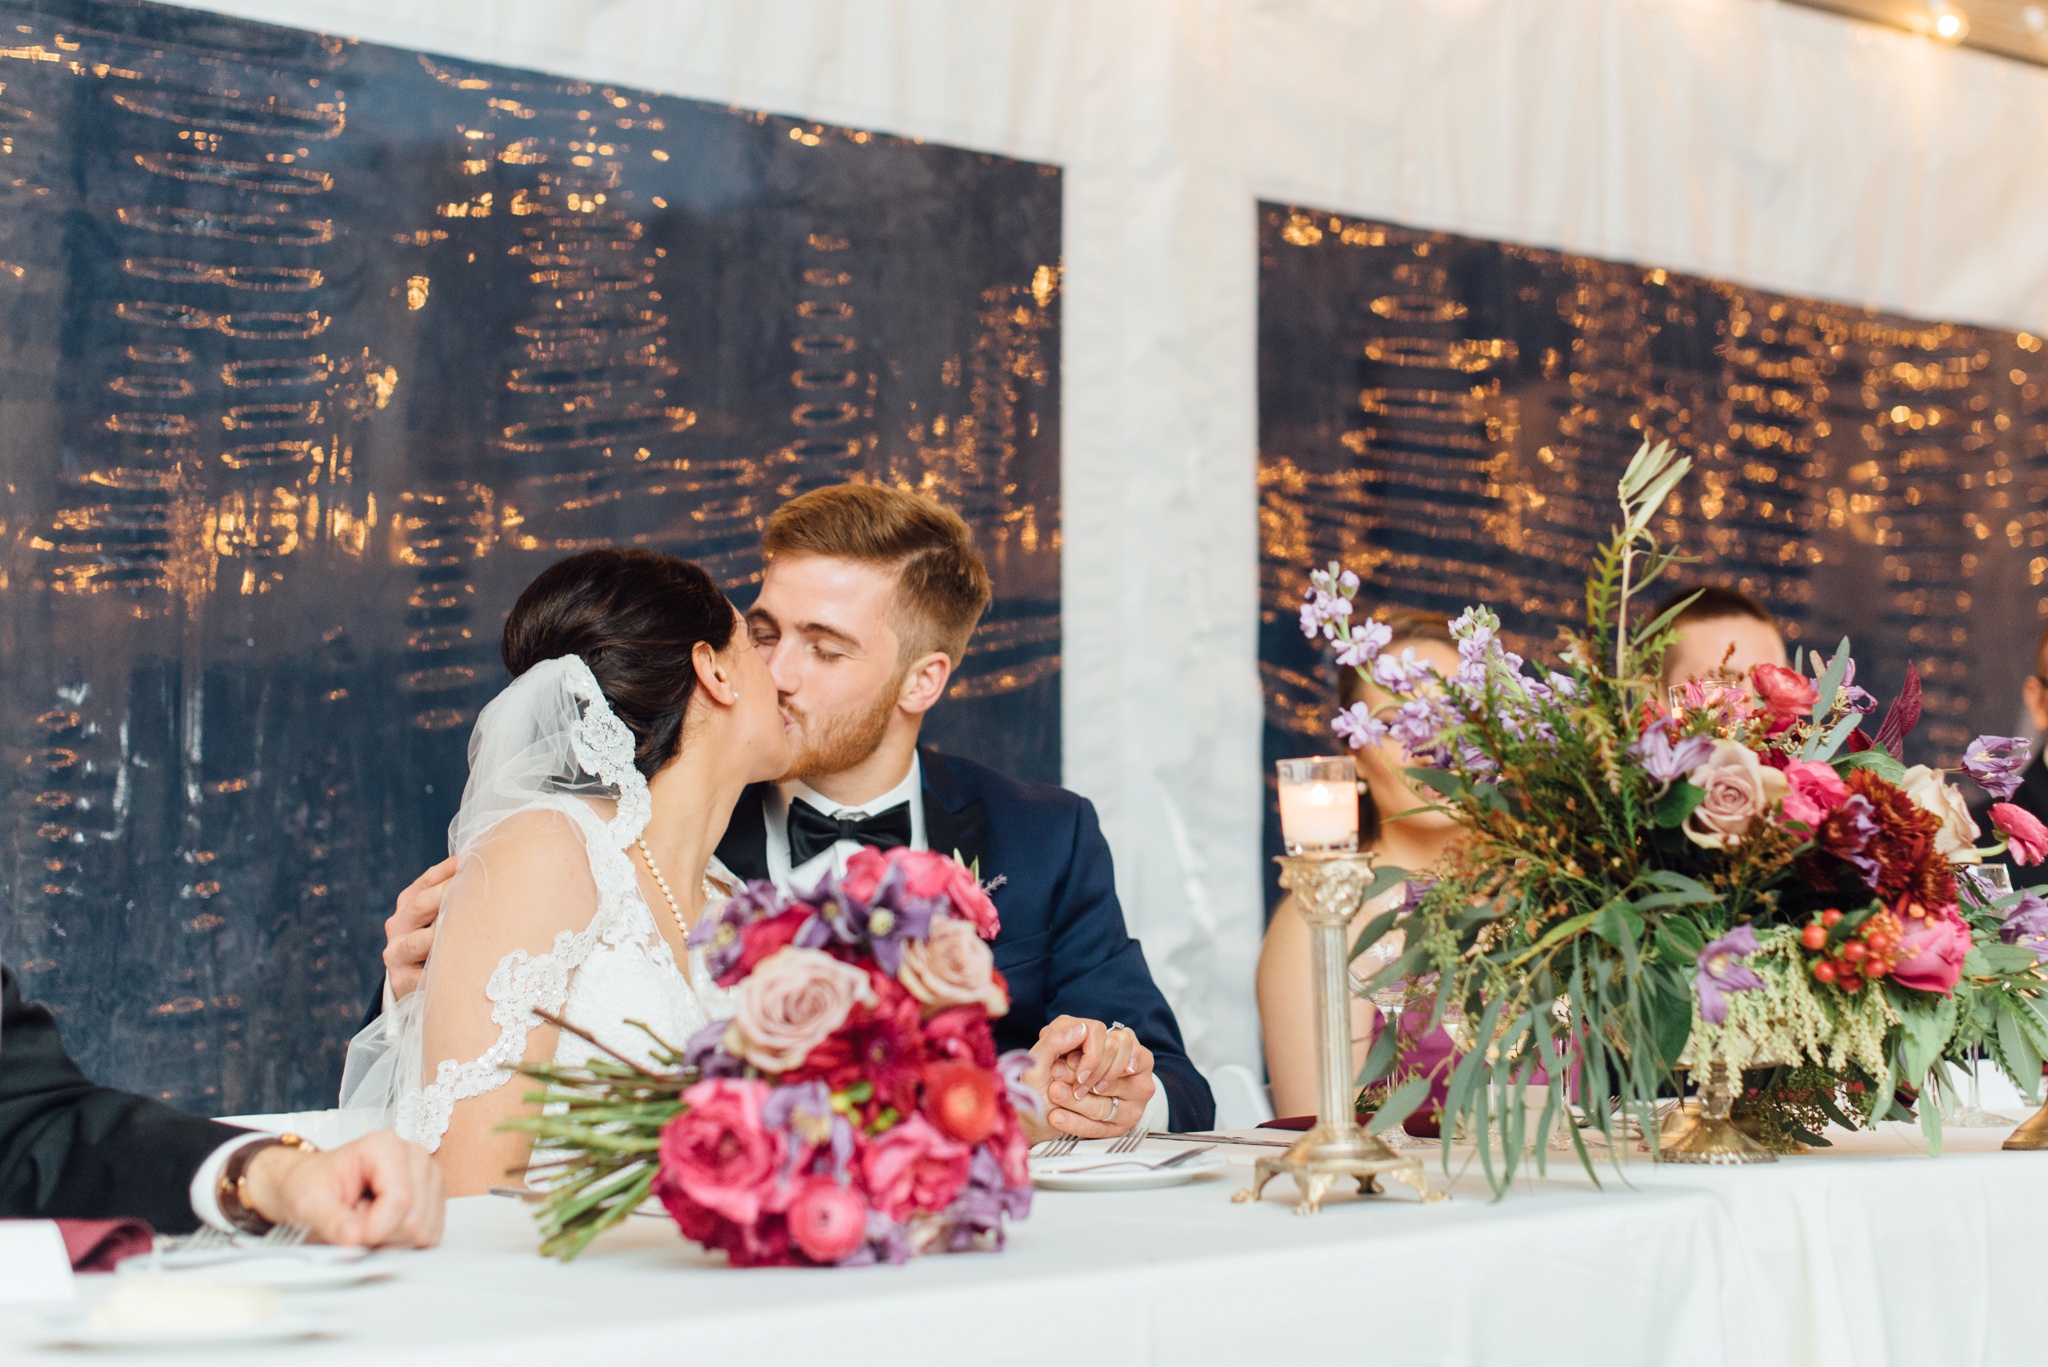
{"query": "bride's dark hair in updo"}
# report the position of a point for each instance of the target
(634, 617)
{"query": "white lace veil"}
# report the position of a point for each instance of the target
(550, 734)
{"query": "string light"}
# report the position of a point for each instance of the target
(1951, 25)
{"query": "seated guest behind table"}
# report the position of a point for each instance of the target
(2033, 791)
(1723, 634)
(1390, 825)
(70, 1149)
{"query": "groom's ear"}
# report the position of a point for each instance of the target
(924, 683)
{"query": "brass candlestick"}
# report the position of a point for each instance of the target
(1329, 888)
(2031, 1134)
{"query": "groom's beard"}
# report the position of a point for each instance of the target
(833, 744)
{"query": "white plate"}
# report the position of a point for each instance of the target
(283, 1271)
(1059, 1174)
(76, 1330)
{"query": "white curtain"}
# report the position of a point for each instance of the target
(1742, 139)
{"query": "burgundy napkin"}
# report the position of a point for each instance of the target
(96, 1245)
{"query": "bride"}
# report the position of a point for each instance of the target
(600, 781)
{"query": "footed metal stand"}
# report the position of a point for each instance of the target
(1329, 889)
(1713, 1138)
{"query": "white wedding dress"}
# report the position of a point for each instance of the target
(548, 746)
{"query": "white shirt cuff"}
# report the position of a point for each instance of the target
(1157, 1109)
(206, 1182)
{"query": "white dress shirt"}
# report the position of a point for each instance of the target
(206, 1181)
(806, 876)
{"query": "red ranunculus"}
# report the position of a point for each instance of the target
(961, 1032)
(718, 1154)
(826, 1220)
(1931, 949)
(961, 1099)
(865, 869)
(911, 1168)
(763, 938)
(1789, 694)
(2023, 832)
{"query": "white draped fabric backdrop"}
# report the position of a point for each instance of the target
(1740, 139)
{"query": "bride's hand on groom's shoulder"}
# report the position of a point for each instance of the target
(409, 933)
(1096, 1081)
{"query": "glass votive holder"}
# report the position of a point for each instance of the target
(1318, 804)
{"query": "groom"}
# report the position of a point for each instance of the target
(867, 604)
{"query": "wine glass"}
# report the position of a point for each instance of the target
(1389, 1000)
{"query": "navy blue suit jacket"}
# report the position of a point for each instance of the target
(1063, 946)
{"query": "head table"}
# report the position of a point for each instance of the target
(1867, 1254)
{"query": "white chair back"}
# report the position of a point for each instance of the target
(1242, 1101)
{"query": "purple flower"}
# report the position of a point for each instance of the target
(1847, 834)
(887, 1242)
(1323, 609)
(1997, 762)
(2027, 924)
(805, 1109)
(705, 1051)
(1476, 761)
(1401, 673)
(1721, 971)
(719, 935)
(976, 1214)
(1368, 639)
(1416, 724)
(1013, 1066)
(1358, 726)
(1664, 761)
(1412, 894)
(882, 922)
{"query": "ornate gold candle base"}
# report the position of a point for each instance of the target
(2031, 1134)
(1329, 889)
(1321, 1158)
(1713, 1138)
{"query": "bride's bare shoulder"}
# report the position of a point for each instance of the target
(540, 851)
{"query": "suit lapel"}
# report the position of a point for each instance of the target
(952, 824)
(744, 849)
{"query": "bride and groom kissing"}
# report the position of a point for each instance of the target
(656, 747)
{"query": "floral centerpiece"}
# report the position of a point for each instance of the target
(1743, 873)
(853, 1108)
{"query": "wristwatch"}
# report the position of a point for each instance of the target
(231, 1192)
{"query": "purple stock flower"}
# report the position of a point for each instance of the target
(1721, 971)
(2027, 924)
(1401, 673)
(1664, 761)
(1358, 726)
(1997, 762)
(1476, 761)
(1368, 639)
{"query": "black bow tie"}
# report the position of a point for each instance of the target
(811, 832)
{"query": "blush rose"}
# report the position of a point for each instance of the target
(1738, 789)
(953, 967)
(789, 1004)
(1957, 839)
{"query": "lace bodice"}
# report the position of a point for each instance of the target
(616, 969)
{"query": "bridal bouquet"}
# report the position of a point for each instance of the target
(852, 1110)
(1744, 871)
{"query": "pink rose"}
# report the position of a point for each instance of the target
(718, 1154)
(1931, 950)
(827, 1221)
(926, 873)
(1789, 694)
(865, 869)
(2026, 835)
(911, 1168)
(1739, 788)
(953, 967)
(1815, 789)
(788, 1005)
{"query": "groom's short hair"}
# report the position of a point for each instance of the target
(941, 585)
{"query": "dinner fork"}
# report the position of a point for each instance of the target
(1058, 1147)
(1128, 1142)
(1161, 1166)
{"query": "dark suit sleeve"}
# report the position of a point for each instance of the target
(1099, 973)
(69, 1148)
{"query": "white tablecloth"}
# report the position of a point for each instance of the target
(1869, 1254)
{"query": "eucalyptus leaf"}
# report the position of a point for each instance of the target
(1831, 682)
(2023, 1060)
(1399, 1105)
(1618, 923)
(1677, 804)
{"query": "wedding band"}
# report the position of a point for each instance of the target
(1114, 1102)
(1117, 1025)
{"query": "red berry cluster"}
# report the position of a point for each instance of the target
(1865, 954)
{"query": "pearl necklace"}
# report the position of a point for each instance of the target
(662, 883)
